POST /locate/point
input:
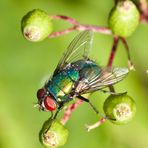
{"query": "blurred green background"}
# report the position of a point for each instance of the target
(25, 66)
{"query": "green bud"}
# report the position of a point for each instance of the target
(53, 134)
(124, 18)
(120, 109)
(36, 25)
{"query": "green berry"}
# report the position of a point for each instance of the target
(124, 18)
(53, 134)
(36, 25)
(120, 109)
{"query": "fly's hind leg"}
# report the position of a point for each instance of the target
(92, 106)
(111, 91)
(101, 121)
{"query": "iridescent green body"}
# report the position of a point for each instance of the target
(64, 82)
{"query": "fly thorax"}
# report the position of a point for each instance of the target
(63, 83)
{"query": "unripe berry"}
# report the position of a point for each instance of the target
(53, 134)
(124, 18)
(36, 25)
(120, 109)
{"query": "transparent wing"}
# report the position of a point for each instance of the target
(106, 78)
(78, 49)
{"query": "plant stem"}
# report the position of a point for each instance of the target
(93, 126)
(65, 18)
(69, 110)
(113, 51)
(130, 64)
(143, 7)
(103, 30)
(59, 33)
(77, 26)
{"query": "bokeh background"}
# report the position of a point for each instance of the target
(24, 67)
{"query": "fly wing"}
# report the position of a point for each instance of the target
(106, 78)
(78, 49)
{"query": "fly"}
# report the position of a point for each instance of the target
(76, 75)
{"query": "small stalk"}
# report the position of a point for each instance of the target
(130, 63)
(97, 124)
(113, 51)
(69, 110)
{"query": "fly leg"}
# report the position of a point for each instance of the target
(110, 92)
(101, 121)
(92, 106)
(61, 105)
(56, 113)
(53, 117)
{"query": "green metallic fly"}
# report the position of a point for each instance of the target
(77, 75)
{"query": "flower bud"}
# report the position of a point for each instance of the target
(53, 134)
(119, 109)
(36, 25)
(124, 18)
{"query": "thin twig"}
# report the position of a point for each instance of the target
(130, 64)
(69, 110)
(59, 33)
(93, 126)
(143, 7)
(65, 18)
(113, 51)
(77, 26)
(103, 30)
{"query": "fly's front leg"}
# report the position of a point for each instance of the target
(59, 109)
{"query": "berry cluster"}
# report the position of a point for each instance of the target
(123, 20)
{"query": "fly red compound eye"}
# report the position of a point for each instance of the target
(40, 94)
(49, 103)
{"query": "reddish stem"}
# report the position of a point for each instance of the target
(130, 64)
(98, 29)
(113, 51)
(143, 8)
(77, 26)
(59, 33)
(93, 126)
(69, 110)
(65, 18)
